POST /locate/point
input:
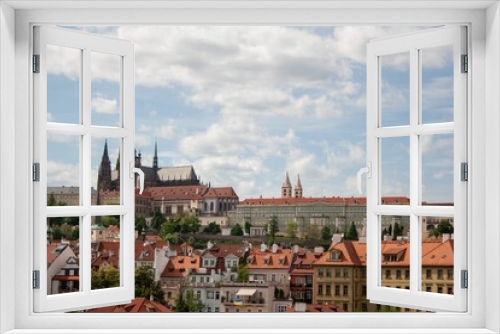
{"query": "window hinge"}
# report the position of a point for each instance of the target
(36, 63)
(36, 279)
(465, 279)
(465, 64)
(464, 171)
(36, 172)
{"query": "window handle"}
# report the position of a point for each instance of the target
(368, 171)
(134, 170)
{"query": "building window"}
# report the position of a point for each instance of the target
(337, 290)
(346, 290)
(320, 272)
(364, 307)
(345, 307)
(398, 274)
(428, 274)
(337, 272)
(387, 274)
(450, 274)
(328, 272)
(407, 274)
(450, 290)
(440, 273)
(320, 289)
(363, 291)
(328, 290)
(346, 272)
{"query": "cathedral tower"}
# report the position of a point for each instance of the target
(298, 188)
(104, 175)
(155, 158)
(286, 188)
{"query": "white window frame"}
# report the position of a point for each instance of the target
(483, 17)
(87, 43)
(412, 44)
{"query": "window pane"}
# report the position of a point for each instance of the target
(105, 238)
(395, 88)
(437, 169)
(63, 271)
(106, 77)
(395, 170)
(395, 252)
(437, 254)
(437, 84)
(63, 84)
(106, 170)
(63, 170)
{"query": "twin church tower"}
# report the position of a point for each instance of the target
(286, 188)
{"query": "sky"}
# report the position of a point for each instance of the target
(244, 105)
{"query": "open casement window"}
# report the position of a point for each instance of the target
(416, 144)
(71, 210)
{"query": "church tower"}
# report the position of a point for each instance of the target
(286, 188)
(104, 176)
(298, 188)
(155, 158)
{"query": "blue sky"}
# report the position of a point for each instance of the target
(246, 104)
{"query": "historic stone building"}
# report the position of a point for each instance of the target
(108, 179)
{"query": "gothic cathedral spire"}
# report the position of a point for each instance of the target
(286, 188)
(104, 175)
(155, 158)
(298, 188)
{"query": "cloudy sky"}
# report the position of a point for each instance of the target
(246, 104)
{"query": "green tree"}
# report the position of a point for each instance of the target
(157, 220)
(140, 224)
(445, 226)
(73, 221)
(110, 220)
(326, 233)
(291, 229)
(190, 303)
(389, 230)
(312, 232)
(105, 278)
(66, 230)
(212, 228)
(190, 225)
(247, 227)
(237, 230)
(170, 226)
(57, 234)
(243, 275)
(75, 234)
(398, 231)
(272, 229)
(352, 233)
(146, 286)
(384, 233)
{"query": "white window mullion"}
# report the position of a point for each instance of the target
(415, 170)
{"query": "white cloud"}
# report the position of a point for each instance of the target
(166, 131)
(62, 174)
(345, 154)
(103, 105)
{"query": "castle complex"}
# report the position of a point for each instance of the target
(109, 179)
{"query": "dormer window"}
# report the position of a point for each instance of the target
(335, 255)
(266, 260)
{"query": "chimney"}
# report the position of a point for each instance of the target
(295, 249)
(362, 240)
(151, 298)
(300, 307)
(318, 249)
(275, 248)
(210, 245)
(387, 238)
(337, 238)
(263, 247)
(447, 236)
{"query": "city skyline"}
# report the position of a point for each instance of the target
(243, 109)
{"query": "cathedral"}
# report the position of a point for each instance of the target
(108, 179)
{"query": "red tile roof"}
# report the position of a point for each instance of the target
(353, 253)
(138, 305)
(179, 266)
(269, 260)
(197, 192)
